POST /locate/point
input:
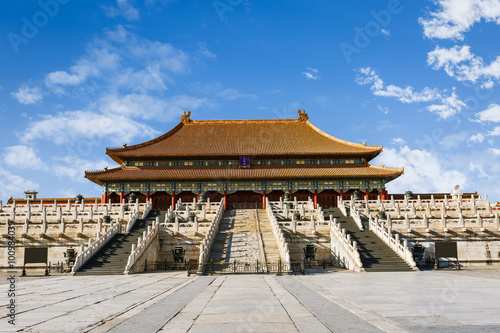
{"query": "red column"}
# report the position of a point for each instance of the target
(147, 196)
(384, 194)
(173, 200)
(121, 197)
(264, 199)
(225, 199)
(104, 198)
(367, 194)
(342, 194)
(315, 198)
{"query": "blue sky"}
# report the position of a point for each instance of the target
(420, 78)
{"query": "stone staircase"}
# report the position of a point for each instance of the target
(375, 255)
(238, 238)
(271, 252)
(113, 257)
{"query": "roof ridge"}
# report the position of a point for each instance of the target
(352, 144)
(241, 121)
(384, 167)
(147, 143)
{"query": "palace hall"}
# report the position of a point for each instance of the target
(244, 162)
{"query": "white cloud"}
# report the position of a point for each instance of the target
(134, 105)
(123, 8)
(453, 18)
(93, 64)
(495, 131)
(448, 104)
(460, 63)
(477, 168)
(12, 185)
(27, 95)
(384, 109)
(398, 141)
(477, 138)
(122, 59)
(71, 126)
(232, 94)
(424, 171)
(492, 113)
(312, 73)
(22, 157)
(454, 140)
(495, 151)
(74, 168)
(385, 32)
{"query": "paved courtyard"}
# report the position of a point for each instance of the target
(339, 301)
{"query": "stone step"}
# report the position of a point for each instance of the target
(113, 257)
(375, 255)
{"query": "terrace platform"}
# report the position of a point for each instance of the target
(341, 301)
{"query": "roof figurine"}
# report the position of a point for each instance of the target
(303, 116)
(185, 118)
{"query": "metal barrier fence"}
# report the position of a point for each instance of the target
(165, 265)
(238, 267)
(277, 267)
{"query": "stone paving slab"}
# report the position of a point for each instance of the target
(444, 301)
(336, 318)
(155, 317)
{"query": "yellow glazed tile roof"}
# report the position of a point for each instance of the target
(215, 174)
(243, 137)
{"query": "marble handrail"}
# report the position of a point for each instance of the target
(345, 250)
(94, 247)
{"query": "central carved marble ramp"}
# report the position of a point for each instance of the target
(238, 238)
(156, 316)
(333, 316)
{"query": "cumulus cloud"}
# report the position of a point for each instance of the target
(453, 18)
(232, 94)
(476, 138)
(23, 157)
(97, 61)
(28, 95)
(460, 63)
(384, 109)
(448, 104)
(71, 126)
(495, 131)
(311, 73)
(72, 167)
(123, 60)
(12, 185)
(149, 107)
(398, 141)
(424, 171)
(491, 114)
(124, 9)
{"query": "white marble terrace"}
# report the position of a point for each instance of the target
(178, 220)
(45, 218)
(440, 215)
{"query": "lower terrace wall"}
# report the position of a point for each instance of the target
(297, 243)
(189, 241)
